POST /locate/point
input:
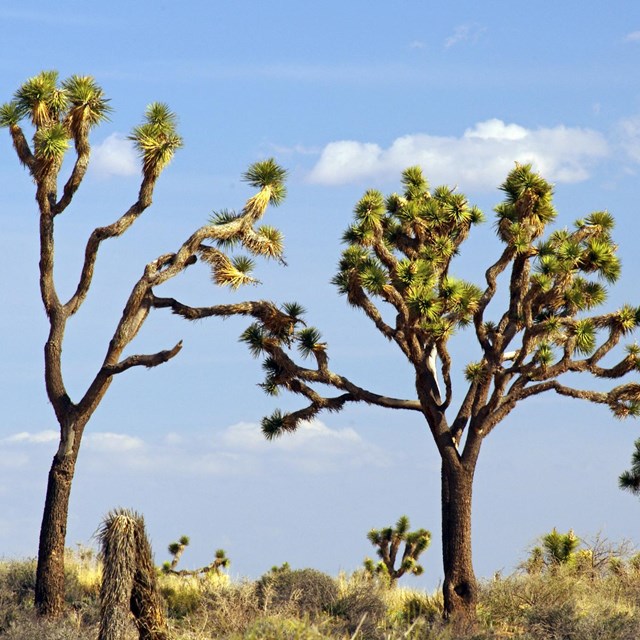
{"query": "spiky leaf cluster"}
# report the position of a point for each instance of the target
(400, 250)
(630, 479)
(58, 112)
(267, 175)
(156, 139)
(527, 209)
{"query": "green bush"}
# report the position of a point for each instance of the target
(307, 591)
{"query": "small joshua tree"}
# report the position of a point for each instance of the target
(388, 543)
(630, 480)
(556, 549)
(176, 549)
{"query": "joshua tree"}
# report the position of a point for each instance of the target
(176, 549)
(398, 269)
(388, 543)
(64, 113)
(630, 480)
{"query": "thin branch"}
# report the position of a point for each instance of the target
(147, 360)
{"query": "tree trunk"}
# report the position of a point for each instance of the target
(49, 596)
(460, 587)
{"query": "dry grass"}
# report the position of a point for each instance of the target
(565, 604)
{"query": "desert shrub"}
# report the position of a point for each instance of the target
(360, 605)
(17, 584)
(308, 591)
(182, 600)
(282, 629)
(30, 627)
(82, 591)
(220, 608)
(405, 606)
(18, 577)
(607, 623)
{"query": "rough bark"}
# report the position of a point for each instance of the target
(49, 595)
(460, 587)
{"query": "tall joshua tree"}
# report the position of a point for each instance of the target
(62, 114)
(397, 269)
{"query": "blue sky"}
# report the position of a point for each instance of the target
(345, 95)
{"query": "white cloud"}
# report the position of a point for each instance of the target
(115, 156)
(314, 447)
(634, 36)
(311, 435)
(464, 33)
(629, 137)
(26, 437)
(480, 158)
(240, 449)
(106, 442)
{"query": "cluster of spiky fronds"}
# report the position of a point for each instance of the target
(68, 110)
(630, 479)
(59, 112)
(388, 541)
(156, 139)
(229, 229)
(400, 249)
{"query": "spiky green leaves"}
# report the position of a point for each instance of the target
(269, 176)
(584, 334)
(156, 140)
(275, 425)
(9, 114)
(88, 105)
(527, 209)
(309, 341)
(40, 99)
(51, 143)
(414, 183)
(630, 479)
(370, 210)
(231, 272)
(475, 372)
(78, 103)
(254, 337)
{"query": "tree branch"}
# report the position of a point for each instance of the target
(99, 234)
(22, 148)
(148, 360)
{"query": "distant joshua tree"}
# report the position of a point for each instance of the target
(176, 549)
(388, 543)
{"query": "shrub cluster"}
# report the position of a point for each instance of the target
(571, 601)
